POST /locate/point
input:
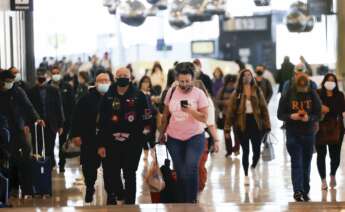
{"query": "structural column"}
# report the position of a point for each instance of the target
(341, 41)
(29, 47)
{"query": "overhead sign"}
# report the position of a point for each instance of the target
(22, 5)
(246, 24)
(203, 48)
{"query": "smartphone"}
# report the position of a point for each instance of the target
(184, 103)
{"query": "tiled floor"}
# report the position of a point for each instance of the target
(270, 188)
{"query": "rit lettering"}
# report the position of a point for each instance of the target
(301, 105)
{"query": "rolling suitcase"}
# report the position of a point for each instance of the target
(41, 169)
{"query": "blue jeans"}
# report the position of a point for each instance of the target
(300, 148)
(185, 156)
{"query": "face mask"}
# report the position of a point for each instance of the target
(41, 80)
(56, 77)
(259, 73)
(122, 82)
(247, 80)
(8, 85)
(330, 85)
(18, 77)
(103, 88)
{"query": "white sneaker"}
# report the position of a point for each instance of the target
(246, 181)
(324, 184)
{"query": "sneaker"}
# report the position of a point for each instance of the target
(306, 198)
(333, 182)
(298, 197)
(89, 195)
(246, 181)
(111, 199)
(324, 184)
(227, 155)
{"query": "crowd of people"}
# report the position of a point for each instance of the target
(114, 118)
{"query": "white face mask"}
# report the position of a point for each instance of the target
(8, 85)
(56, 77)
(103, 88)
(18, 77)
(330, 85)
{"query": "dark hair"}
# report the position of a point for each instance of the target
(84, 75)
(6, 74)
(327, 76)
(155, 66)
(239, 89)
(55, 67)
(185, 68)
(41, 71)
(261, 65)
(230, 78)
(171, 77)
(142, 81)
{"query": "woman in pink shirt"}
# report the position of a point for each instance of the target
(184, 118)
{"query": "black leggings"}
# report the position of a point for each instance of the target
(253, 134)
(334, 154)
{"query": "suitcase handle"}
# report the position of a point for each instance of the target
(43, 140)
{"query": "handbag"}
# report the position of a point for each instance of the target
(267, 153)
(329, 131)
(154, 178)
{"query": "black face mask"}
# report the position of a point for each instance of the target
(122, 82)
(259, 73)
(41, 79)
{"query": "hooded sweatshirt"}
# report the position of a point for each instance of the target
(294, 101)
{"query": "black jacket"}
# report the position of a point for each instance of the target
(68, 99)
(266, 88)
(20, 112)
(54, 116)
(207, 82)
(128, 115)
(292, 102)
(84, 122)
(23, 85)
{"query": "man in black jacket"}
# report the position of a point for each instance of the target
(18, 79)
(125, 123)
(68, 101)
(48, 103)
(17, 109)
(84, 131)
(300, 109)
(202, 76)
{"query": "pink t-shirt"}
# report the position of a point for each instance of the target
(183, 126)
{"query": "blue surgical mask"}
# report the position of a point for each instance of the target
(103, 88)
